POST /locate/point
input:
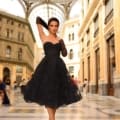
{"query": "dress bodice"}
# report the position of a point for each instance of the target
(51, 49)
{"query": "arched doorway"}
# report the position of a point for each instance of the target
(6, 75)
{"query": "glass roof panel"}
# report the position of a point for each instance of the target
(47, 11)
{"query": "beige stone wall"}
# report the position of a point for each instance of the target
(117, 34)
(39, 54)
(70, 27)
(94, 42)
(18, 67)
(112, 27)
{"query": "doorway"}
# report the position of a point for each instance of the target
(6, 75)
(111, 66)
(97, 69)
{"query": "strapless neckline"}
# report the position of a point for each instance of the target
(51, 43)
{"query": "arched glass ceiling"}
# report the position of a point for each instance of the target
(14, 7)
(47, 11)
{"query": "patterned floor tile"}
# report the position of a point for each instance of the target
(92, 107)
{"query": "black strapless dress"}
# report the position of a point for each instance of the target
(50, 84)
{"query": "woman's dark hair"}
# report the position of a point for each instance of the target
(53, 19)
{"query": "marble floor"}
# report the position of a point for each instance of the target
(91, 107)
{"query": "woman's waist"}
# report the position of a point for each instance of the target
(52, 55)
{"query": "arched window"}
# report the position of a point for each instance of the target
(73, 36)
(8, 51)
(20, 36)
(71, 69)
(7, 33)
(69, 37)
(71, 54)
(20, 52)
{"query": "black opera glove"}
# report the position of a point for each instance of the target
(42, 22)
(63, 48)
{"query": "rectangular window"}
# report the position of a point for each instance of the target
(73, 36)
(111, 64)
(88, 71)
(22, 37)
(69, 37)
(12, 22)
(71, 69)
(88, 36)
(19, 25)
(7, 33)
(11, 33)
(82, 45)
(97, 54)
(108, 10)
(19, 69)
(18, 79)
(8, 21)
(18, 36)
(111, 53)
(71, 54)
(108, 6)
(8, 51)
(96, 25)
(88, 67)
(97, 69)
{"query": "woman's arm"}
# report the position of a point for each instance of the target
(40, 24)
(63, 48)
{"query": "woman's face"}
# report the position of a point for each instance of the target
(53, 27)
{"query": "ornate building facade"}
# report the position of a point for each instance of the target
(70, 35)
(17, 48)
(99, 40)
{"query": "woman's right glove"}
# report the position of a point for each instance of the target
(63, 48)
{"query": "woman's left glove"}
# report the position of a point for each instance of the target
(42, 22)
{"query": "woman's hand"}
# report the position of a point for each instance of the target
(38, 20)
(42, 22)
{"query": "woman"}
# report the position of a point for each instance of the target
(50, 84)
